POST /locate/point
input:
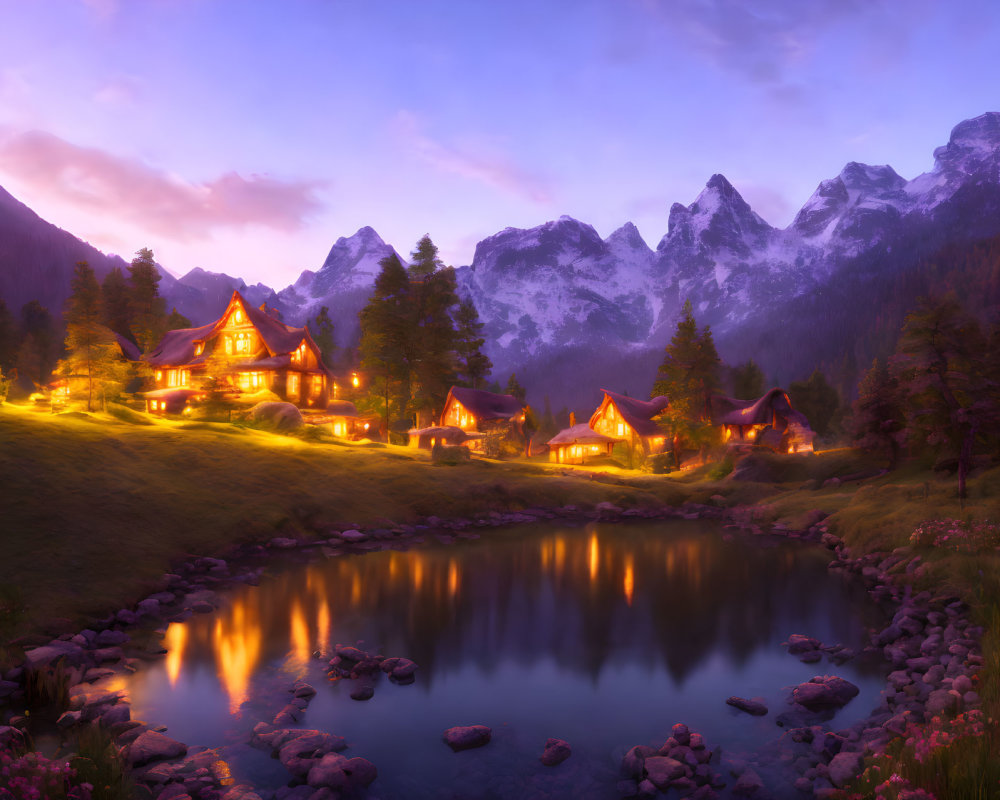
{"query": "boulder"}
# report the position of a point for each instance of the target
(328, 772)
(360, 772)
(281, 416)
(465, 737)
(798, 644)
(56, 650)
(844, 767)
(556, 751)
(662, 770)
(827, 691)
(748, 784)
(750, 706)
(153, 746)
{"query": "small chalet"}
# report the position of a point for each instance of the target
(444, 435)
(249, 350)
(631, 420)
(345, 421)
(575, 444)
(496, 416)
(768, 422)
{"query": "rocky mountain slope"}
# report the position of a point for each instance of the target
(570, 312)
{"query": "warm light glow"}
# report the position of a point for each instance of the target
(338, 428)
(237, 642)
(159, 375)
(299, 636)
(560, 555)
(628, 584)
(452, 578)
(593, 556)
(187, 410)
(355, 380)
(199, 348)
(355, 589)
(323, 627)
(621, 428)
(418, 572)
(174, 641)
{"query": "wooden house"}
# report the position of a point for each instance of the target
(444, 435)
(632, 421)
(574, 445)
(499, 417)
(248, 350)
(769, 421)
(344, 420)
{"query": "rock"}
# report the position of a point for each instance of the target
(844, 767)
(467, 736)
(661, 770)
(152, 746)
(827, 691)
(329, 772)
(403, 670)
(360, 772)
(110, 638)
(350, 653)
(940, 701)
(556, 751)
(281, 416)
(283, 543)
(56, 650)
(748, 784)
(750, 706)
(68, 719)
(798, 644)
(353, 536)
(363, 691)
(119, 712)
(7, 688)
(304, 690)
(633, 760)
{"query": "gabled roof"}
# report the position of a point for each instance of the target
(581, 433)
(637, 413)
(341, 408)
(177, 347)
(129, 350)
(486, 405)
(730, 411)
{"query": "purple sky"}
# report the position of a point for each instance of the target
(246, 137)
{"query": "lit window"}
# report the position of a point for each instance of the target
(238, 316)
(243, 343)
(293, 383)
(153, 405)
(172, 378)
(159, 375)
(621, 428)
(229, 345)
(199, 348)
(355, 380)
(317, 384)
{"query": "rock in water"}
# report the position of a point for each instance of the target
(556, 751)
(750, 706)
(467, 736)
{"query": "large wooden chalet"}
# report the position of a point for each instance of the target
(247, 349)
(631, 420)
(769, 421)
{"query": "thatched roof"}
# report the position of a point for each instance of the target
(486, 405)
(129, 350)
(637, 413)
(176, 348)
(580, 433)
(341, 408)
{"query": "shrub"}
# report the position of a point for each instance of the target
(961, 536)
(31, 776)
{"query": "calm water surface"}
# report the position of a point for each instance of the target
(604, 635)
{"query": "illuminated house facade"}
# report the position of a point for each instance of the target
(248, 350)
(769, 421)
(574, 445)
(497, 416)
(631, 420)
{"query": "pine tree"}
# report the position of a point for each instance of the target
(748, 381)
(176, 320)
(115, 298)
(943, 372)
(424, 259)
(321, 328)
(8, 339)
(689, 376)
(146, 307)
(473, 365)
(515, 389)
(385, 334)
(818, 400)
(878, 413)
(38, 349)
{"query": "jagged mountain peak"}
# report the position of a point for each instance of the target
(866, 178)
(973, 144)
(627, 236)
(719, 217)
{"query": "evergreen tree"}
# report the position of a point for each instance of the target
(321, 328)
(8, 339)
(515, 389)
(385, 334)
(115, 298)
(748, 381)
(689, 376)
(84, 332)
(424, 260)
(878, 413)
(473, 365)
(818, 400)
(39, 349)
(943, 370)
(146, 307)
(176, 320)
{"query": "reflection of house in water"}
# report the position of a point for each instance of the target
(631, 420)
(769, 422)
(247, 350)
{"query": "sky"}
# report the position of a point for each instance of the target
(246, 137)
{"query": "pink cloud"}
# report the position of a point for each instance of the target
(97, 181)
(492, 170)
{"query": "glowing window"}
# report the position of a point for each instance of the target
(172, 377)
(621, 428)
(159, 375)
(243, 343)
(199, 348)
(238, 316)
(317, 384)
(185, 377)
(229, 345)
(293, 383)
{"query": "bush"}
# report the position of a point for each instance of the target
(721, 470)
(126, 414)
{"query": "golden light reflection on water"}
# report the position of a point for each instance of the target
(236, 640)
(302, 610)
(175, 641)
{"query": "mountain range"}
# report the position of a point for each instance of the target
(571, 312)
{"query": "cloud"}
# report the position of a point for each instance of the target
(765, 40)
(490, 169)
(129, 190)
